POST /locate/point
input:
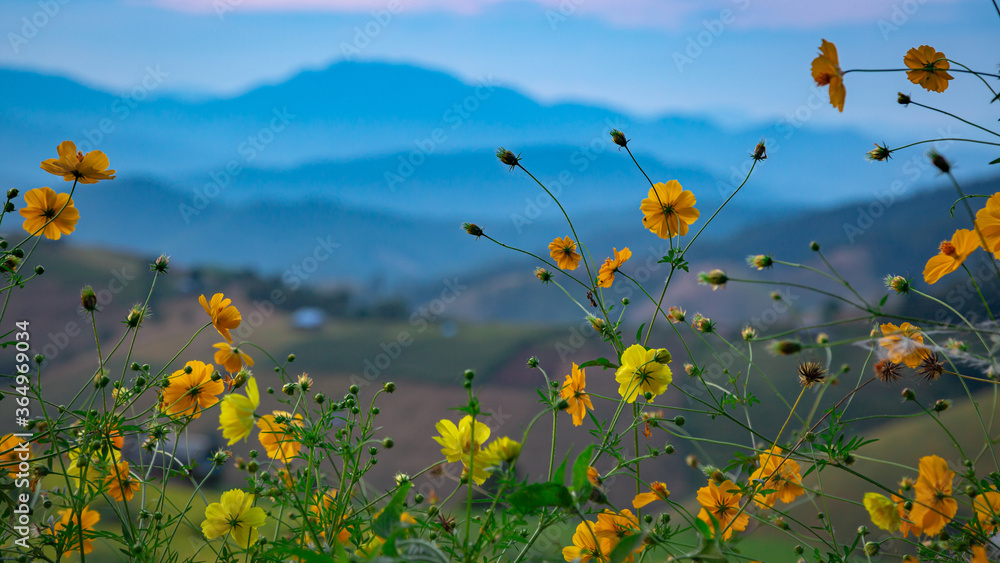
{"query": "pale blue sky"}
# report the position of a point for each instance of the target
(753, 67)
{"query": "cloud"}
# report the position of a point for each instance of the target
(665, 14)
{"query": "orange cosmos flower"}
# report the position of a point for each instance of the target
(988, 222)
(563, 251)
(722, 502)
(987, 506)
(231, 357)
(669, 209)
(13, 451)
(74, 165)
(952, 254)
(929, 68)
(277, 438)
(191, 390)
(573, 391)
(584, 547)
(224, 315)
(904, 344)
(933, 506)
(658, 491)
(85, 519)
(322, 513)
(44, 205)
(120, 483)
(826, 71)
(906, 524)
(616, 526)
(606, 276)
(785, 481)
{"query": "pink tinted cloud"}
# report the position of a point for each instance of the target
(669, 14)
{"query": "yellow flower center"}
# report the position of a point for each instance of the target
(948, 249)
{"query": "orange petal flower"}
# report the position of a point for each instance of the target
(224, 316)
(826, 71)
(951, 255)
(563, 251)
(74, 165)
(607, 274)
(573, 391)
(669, 209)
(929, 68)
(44, 205)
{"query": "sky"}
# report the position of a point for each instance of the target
(736, 61)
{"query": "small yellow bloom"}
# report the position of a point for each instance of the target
(573, 391)
(464, 443)
(882, 512)
(929, 68)
(979, 554)
(988, 221)
(606, 276)
(640, 372)
(933, 506)
(44, 205)
(74, 165)
(826, 71)
(224, 316)
(74, 521)
(658, 491)
(188, 394)
(236, 515)
(322, 513)
(904, 344)
(669, 209)
(231, 357)
(503, 449)
(951, 255)
(120, 483)
(277, 438)
(722, 502)
(236, 417)
(563, 251)
(584, 547)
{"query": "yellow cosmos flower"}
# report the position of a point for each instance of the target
(74, 165)
(277, 438)
(231, 357)
(640, 372)
(120, 483)
(224, 316)
(979, 554)
(73, 522)
(585, 547)
(904, 344)
(987, 506)
(826, 71)
(464, 443)
(669, 209)
(722, 502)
(658, 491)
(784, 479)
(606, 276)
(235, 515)
(563, 251)
(236, 417)
(190, 393)
(933, 506)
(988, 222)
(12, 453)
(573, 391)
(951, 255)
(503, 449)
(882, 512)
(929, 68)
(44, 205)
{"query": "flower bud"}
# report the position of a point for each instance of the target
(903, 99)
(88, 299)
(785, 347)
(389, 387)
(160, 265)
(880, 153)
(759, 152)
(715, 278)
(508, 158)
(619, 138)
(748, 333)
(12, 193)
(940, 162)
(543, 275)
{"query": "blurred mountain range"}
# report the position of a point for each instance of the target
(365, 171)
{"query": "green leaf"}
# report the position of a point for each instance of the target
(580, 466)
(420, 550)
(389, 519)
(638, 333)
(540, 495)
(603, 362)
(625, 547)
(559, 476)
(997, 161)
